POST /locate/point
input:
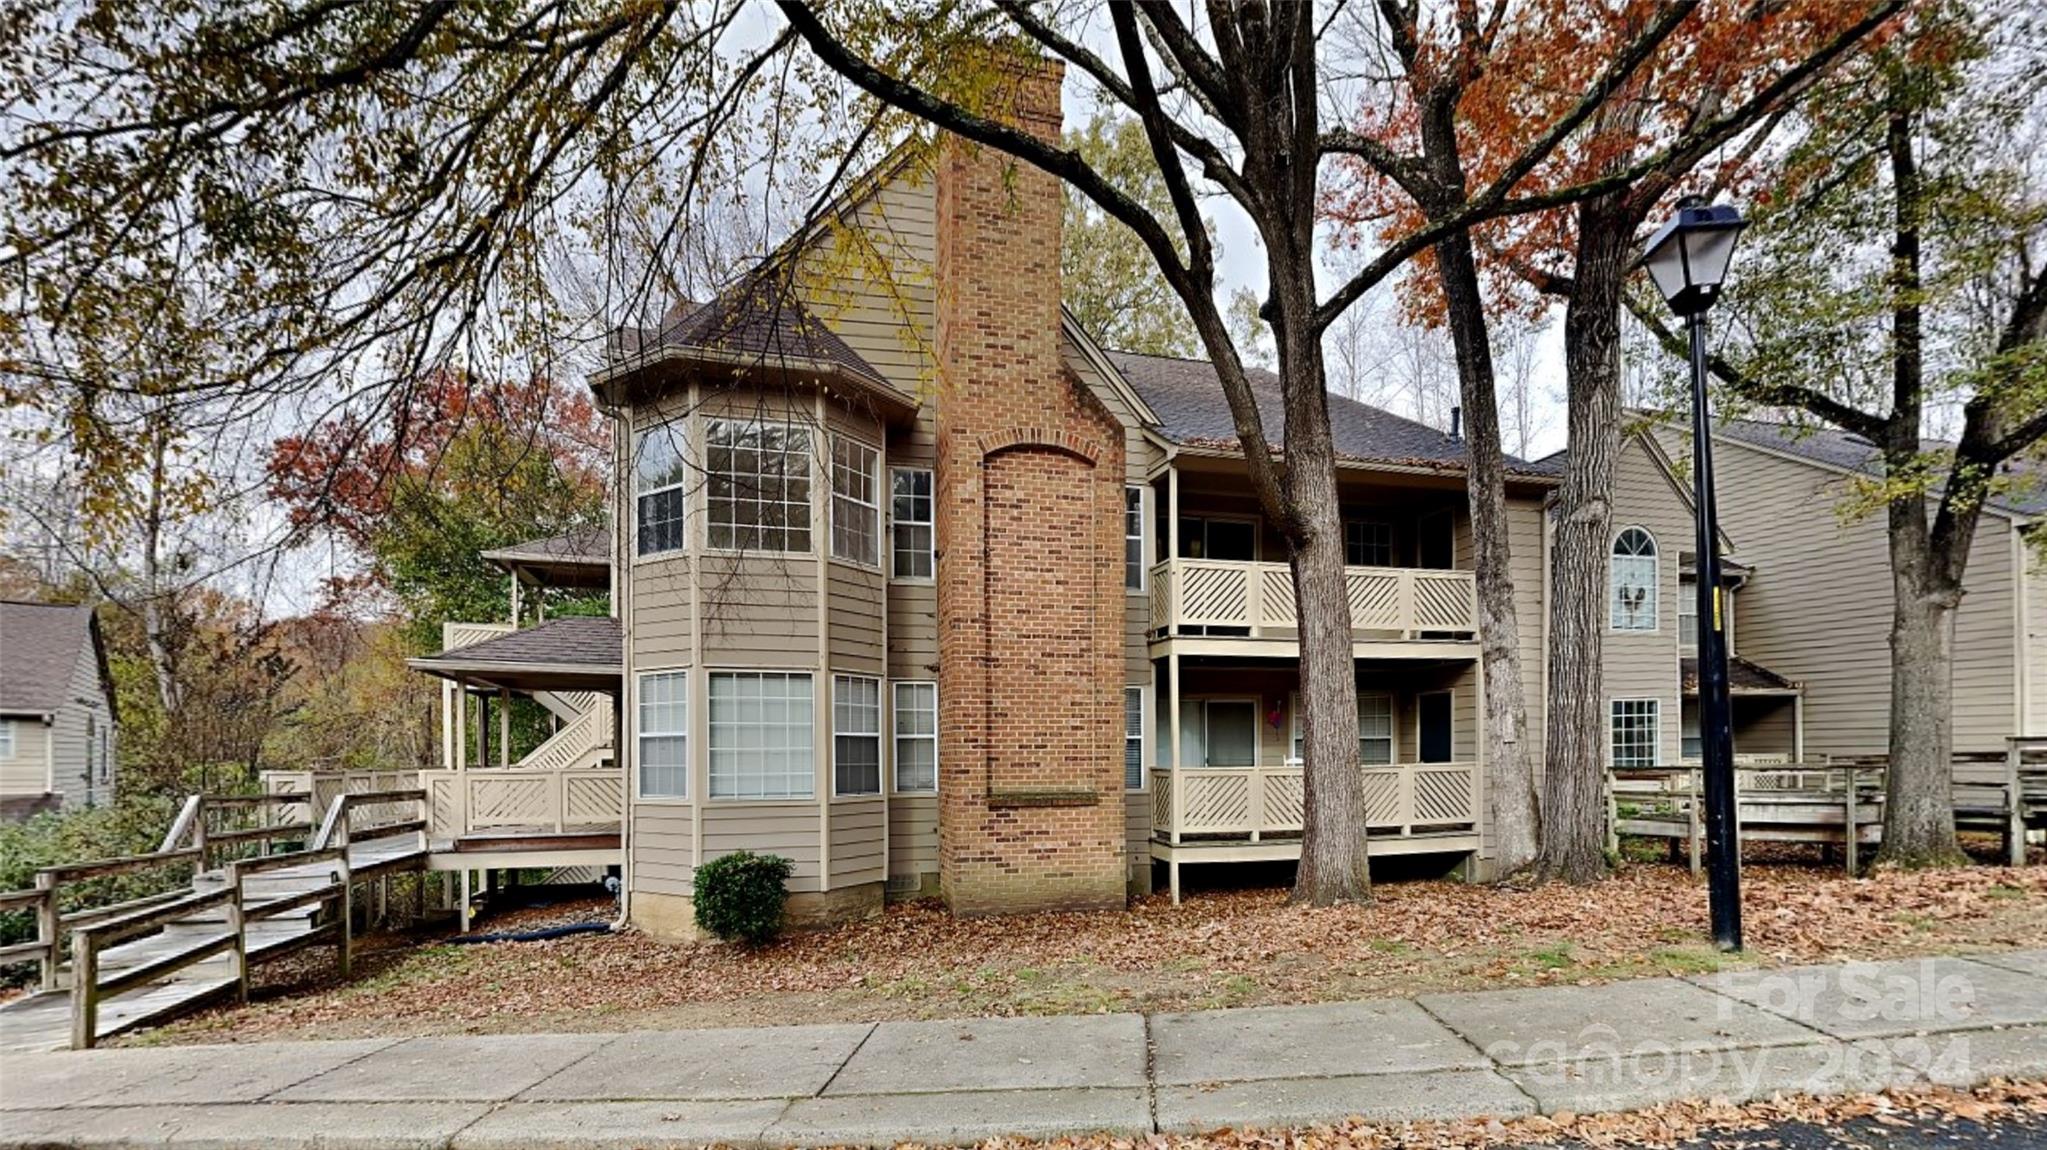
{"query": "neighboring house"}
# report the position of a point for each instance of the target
(917, 586)
(57, 716)
(1818, 610)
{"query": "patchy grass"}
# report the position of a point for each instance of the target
(1234, 948)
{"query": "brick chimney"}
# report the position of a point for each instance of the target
(1029, 524)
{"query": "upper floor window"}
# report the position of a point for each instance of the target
(760, 733)
(1633, 577)
(910, 521)
(856, 502)
(660, 491)
(1133, 538)
(758, 479)
(1688, 614)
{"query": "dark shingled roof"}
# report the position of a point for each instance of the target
(570, 641)
(1742, 675)
(1188, 397)
(39, 645)
(584, 544)
(759, 318)
(1835, 448)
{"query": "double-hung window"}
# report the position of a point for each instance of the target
(664, 735)
(916, 737)
(7, 747)
(910, 521)
(1375, 729)
(1687, 614)
(757, 479)
(856, 502)
(1635, 732)
(760, 733)
(856, 735)
(660, 489)
(1367, 544)
(1633, 575)
(1133, 538)
(1133, 738)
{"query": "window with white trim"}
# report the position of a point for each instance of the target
(1133, 738)
(916, 722)
(757, 482)
(1367, 544)
(664, 735)
(760, 734)
(1633, 577)
(856, 735)
(1691, 746)
(910, 521)
(7, 744)
(1375, 728)
(1133, 538)
(1634, 732)
(856, 502)
(660, 490)
(1687, 614)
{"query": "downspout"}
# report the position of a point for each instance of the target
(621, 522)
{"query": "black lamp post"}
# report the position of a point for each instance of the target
(1688, 259)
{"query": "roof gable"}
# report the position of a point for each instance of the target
(40, 645)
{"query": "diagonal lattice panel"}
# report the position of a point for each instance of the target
(1374, 600)
(1443, 604)
(1443, 795)
(1214, 595)
(1382, 798)
(1276, 596)
(1216, 802)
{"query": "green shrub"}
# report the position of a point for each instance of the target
(134, 825)
(739, 897)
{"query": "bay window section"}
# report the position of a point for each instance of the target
(760, 732)
(856, 502)
(660, 490)
(757, 478)
(664, 735)
(856, 735)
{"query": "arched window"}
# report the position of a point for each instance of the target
(1634, 581)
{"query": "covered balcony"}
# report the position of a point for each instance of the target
(1213, 597)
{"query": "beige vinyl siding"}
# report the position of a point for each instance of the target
(658, 612)
(27, 771)
(1818, 609)
(1643, 664)
(912, 631)
(760, 611)
(788, 829)
(75, 746)
(854, 615)
(858, 852)
(663, 854)
(872, 282)
(912, 837)
(1137, 834)
(1531, 613)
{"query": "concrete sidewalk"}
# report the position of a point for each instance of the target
(1490, 1053)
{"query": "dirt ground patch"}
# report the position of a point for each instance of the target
(1218, 949)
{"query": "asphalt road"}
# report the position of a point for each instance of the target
(1866, 1134)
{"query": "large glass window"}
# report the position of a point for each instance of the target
(1367, 544)
(910, 521)
(760, 734)
(1133, 538)
(916, 737)
(660, 491)
(856, 502)
(1633, 576)
(757, 476)
(856, 735)
(1634, 732)
(664, 735)
(1133, 738)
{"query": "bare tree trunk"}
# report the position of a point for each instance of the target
(154, 626)
(1919, 813)
(1514, 817)
(1574, 751)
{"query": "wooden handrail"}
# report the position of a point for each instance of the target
(188, 818)
(263, 834)
(258, 800)
(413, 795)
(15, 899)
(389, 830)
(288, 859)
(78, 919)
(142, 921)
(70, 871)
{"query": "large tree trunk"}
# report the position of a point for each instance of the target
(1573, 790)
(1515, 820)
(1919, 813)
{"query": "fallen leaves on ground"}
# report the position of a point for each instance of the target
(1229, 948)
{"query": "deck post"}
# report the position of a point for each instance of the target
(1613, 815)
(2014, 807)
(48, 929)
(85, 991)
(1692, 818)
(1851, 825)
(462, 907)
(1173, 878)
(238, 927)
(1173, 769)
(344, 946)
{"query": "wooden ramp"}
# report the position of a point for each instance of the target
(165, 955)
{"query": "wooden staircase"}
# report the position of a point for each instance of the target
(146, 960)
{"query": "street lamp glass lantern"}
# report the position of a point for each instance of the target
(1688, 256)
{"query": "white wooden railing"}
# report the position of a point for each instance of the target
(500, 799)
(456, 635)
(580, 742)
(1252, 802)
(1405, 602)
